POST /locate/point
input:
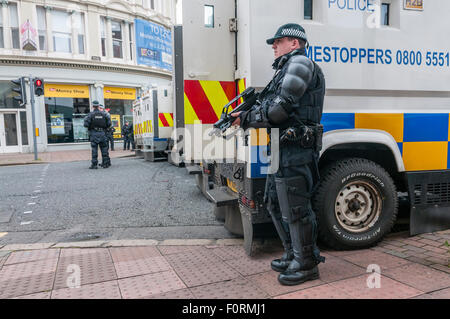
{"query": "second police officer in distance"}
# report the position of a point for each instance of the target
(292, 102)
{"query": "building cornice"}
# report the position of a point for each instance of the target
(83, 65)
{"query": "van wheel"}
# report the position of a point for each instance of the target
(356, 204)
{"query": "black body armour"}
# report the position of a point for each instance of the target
(99, 120)
(293, 98)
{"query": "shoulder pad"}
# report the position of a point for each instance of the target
(298, 76)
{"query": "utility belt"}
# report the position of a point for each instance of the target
(306, 136)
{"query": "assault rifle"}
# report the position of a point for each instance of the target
(249, 96)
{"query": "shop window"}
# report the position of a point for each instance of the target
(42, 28)
(116, 27)
(385, 13)
(79, 25)
(2, 42)
(6, 96)
(103, 35)
(65, 119)
(24, 128)
(308, 10)
(209, 16)
(14, 19)
(62, 31)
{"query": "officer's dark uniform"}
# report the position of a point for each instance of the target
(110, 136)
(127, 132)
(97, 123)
(293, 102)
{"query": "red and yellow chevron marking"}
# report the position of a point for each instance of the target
(204, 100)
(165, 119)
(241, 88)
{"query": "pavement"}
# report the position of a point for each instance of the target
(400, 267)
(56, 157)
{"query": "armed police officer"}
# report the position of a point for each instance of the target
(292, 102)
(97, 123)
(127, 133)
(109, 131)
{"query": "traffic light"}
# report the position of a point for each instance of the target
(38, 87)
(20, 90)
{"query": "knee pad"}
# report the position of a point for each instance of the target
(293, 197)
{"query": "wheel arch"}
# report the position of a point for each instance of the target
(374, 145)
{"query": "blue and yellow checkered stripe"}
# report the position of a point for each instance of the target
(423, 139)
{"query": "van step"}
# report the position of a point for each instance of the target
(222, 197)
(194, 170)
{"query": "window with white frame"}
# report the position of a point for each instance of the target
(62, 31)
(130, 28)
(209, 16)
(79, 25)
(117, 38)
(103, 35)
(42, 28)
(2, 42)
(14, 20)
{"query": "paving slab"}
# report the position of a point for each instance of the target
(170, 250)
(445, 268)
(251, 265)
(39, 295)
(32, 255)
(142, 266)
(320, 292)
(420, 277)
(27, 278)
(148, 285)
(334, 269)
(370, 257)
(238, 288)
(174, 294)
(93, 266)
(357, 288)
(229, 252)
(268, 282)
(103, 290)
(133, 253)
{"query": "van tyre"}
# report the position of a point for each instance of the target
(356, 204)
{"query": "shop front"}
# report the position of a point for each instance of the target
(13, 121)
(119, 103)
(66, 106)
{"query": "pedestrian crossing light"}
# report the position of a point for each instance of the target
(21, 96)
(38, 87)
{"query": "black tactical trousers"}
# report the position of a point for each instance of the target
(288, 195)
(126, 143)
(99, 139)
(111, 140)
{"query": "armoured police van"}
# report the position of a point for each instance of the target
(386, 113)
(154, 122)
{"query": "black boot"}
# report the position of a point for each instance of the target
(93, 166)
(294, 275)
(282, 263)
